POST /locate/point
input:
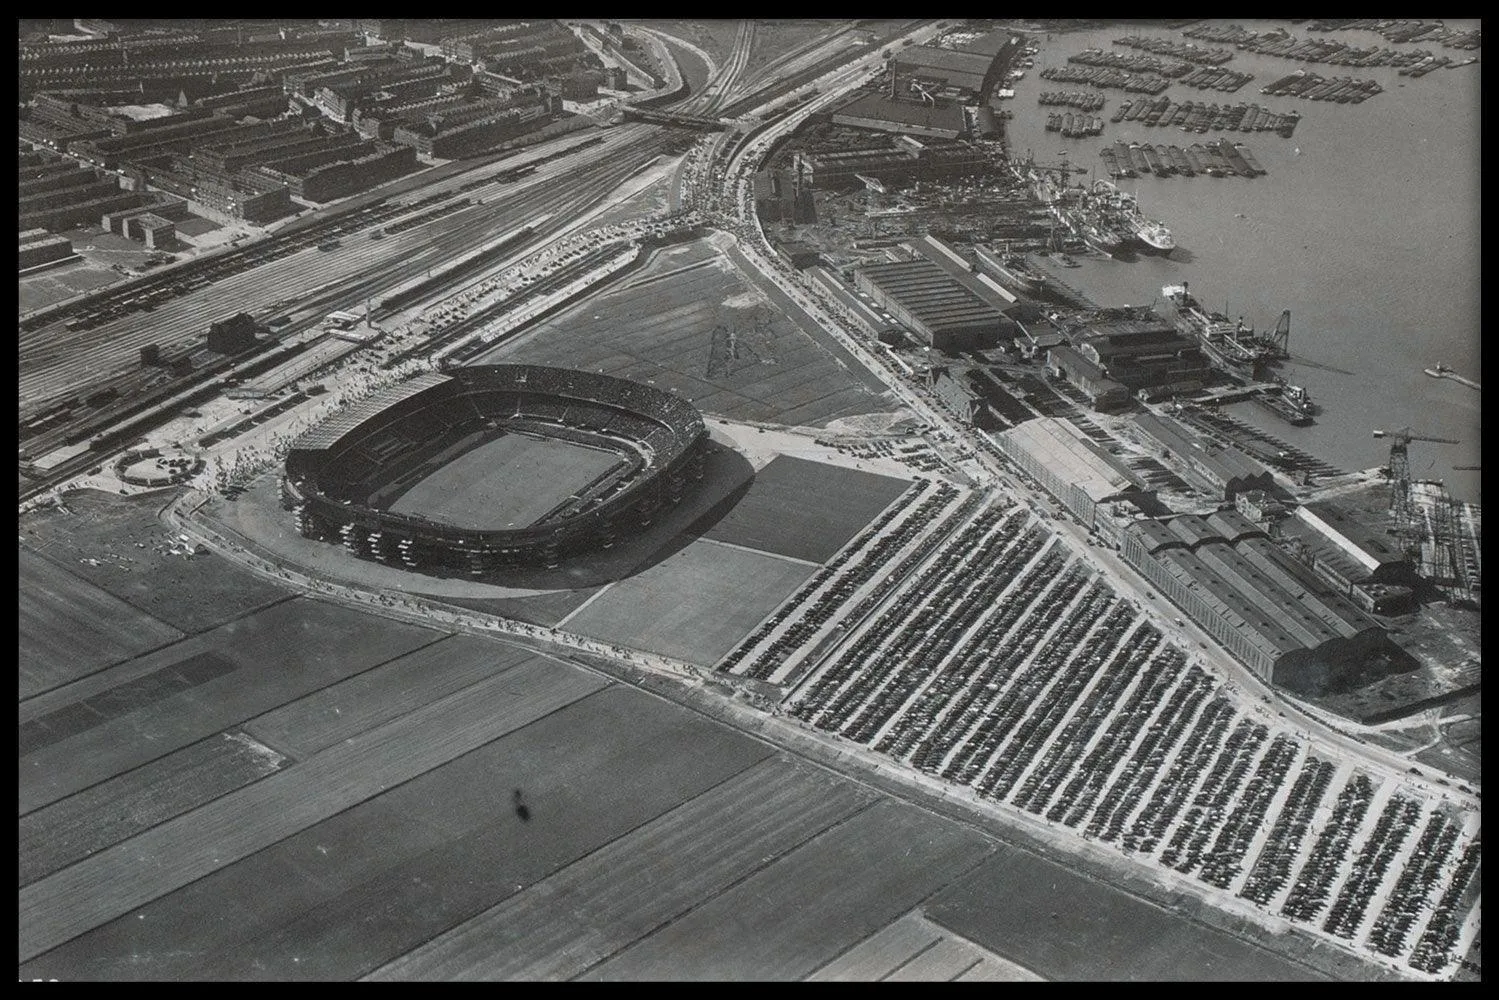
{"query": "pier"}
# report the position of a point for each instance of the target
(1442, 371)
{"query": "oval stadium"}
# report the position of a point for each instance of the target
(492, 467)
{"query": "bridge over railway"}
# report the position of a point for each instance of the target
(700, 122)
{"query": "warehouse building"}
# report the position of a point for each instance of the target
(943, 72)
(942, 313)
(1104, 393)
(1072, 468)
(1380, 560)
(942, 119)
(1227, 470)
(1253, 599)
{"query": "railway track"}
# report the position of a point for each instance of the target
(338, 281)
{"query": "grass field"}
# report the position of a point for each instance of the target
(1066, 926)
(114, 810)
(795, 914)
(375, 697)
(806, 510)
(400, 835)
(572, 920)
(70, 628)
(694, 605)
(698, 328)
(913, 949)
(118, 544)
(233, 673)
(505, 483)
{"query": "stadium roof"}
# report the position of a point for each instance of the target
(328, 433)
(1063, 449)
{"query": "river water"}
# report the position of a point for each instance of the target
(1366, 227)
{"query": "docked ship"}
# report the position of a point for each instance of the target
(1122, 210)
(1227, 344)
(1013, 271)
(1077, 208)
(1291, 403)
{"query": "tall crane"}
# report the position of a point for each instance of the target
(1408, 524)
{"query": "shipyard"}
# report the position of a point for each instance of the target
(882, 483)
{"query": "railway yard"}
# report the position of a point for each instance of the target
(872, 700)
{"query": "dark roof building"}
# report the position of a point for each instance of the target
(943, 313)
(1227, 470)
(941, 119)
(1384, 562)
(1254, 599)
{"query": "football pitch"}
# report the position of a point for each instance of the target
(505, 483)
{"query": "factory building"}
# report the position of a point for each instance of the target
(1227, 470)
(1253, 599)
(904, 160)
(941, 119)
(1072, 468)
(1143, 352)
(956, 391)
(1381, 561)
(40, 247)
(942, 72)
(943, 314)
(234, 335)
(1104, 393)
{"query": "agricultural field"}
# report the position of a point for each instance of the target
(108, 723)
(1066, 926)
(755, 817)
(70, 830)
(695, 605)
(690, 324)
(913, 949)
(119, 545)
(805, 510)
(754, 931)
(70, 628)
(505, 483)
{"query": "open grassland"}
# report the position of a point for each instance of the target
(505, 483)
(353, 706)
(395, 836)
(123, 806)
(576, 918)
(697, 328)
(105, 724)
(805, 510)
(1066, 926)
(70, 628)
(119, 545)
(790, 917)
(913, 949)
(695, 605)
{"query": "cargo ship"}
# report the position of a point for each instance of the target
(1122, 211)
(1013, 271)
(1291, 403)
(1079, 210)
(1227, 344)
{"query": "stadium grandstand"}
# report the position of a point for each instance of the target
(358, 477)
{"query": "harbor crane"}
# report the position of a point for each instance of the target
(1408, 524)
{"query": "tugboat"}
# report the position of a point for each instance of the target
(1291, 403)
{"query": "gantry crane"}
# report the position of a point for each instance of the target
(1408, 524)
